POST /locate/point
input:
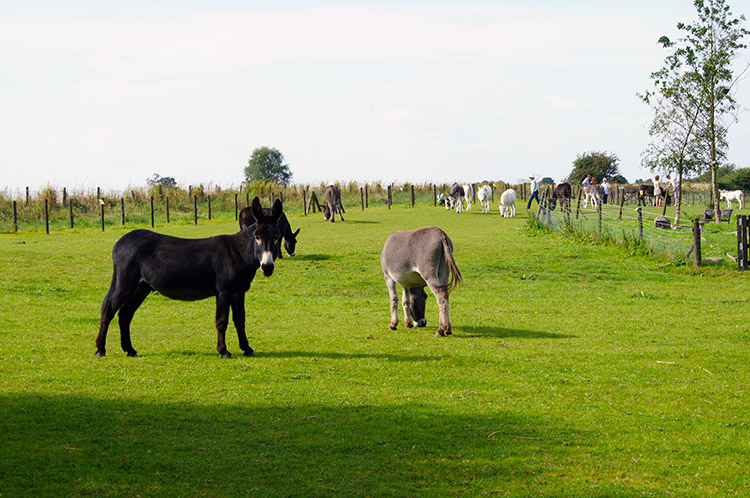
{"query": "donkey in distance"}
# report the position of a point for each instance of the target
(188, 270)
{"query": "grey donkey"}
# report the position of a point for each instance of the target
(415, 259)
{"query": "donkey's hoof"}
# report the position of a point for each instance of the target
(249, 352)
(449, 332)
(440, 333)
(100, 353)
(132, 353)
(409, 325)
(393, 327)
(226, 355)
(422, 323)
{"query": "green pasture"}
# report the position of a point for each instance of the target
(574, 370)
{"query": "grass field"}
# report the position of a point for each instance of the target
(574, 370)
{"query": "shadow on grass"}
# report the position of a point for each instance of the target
(313, 257)
(367, 222)
(71, 445)
(501, 332)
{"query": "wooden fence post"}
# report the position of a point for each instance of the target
(412, 196)
(209, 206)
(236, 207)
(434, 195)
(742, 242)
(152, 211)
(195, 209)
(167, 206)
(122, 209)
(367, 197)
(15, 217)
(390, 200)
(362, 197)
(46, 215)
(101, 203)
(696, 242)
(578, 207)
(27, 196)
(65, 195)
(70, 206)
(304, 201)
(622, 204)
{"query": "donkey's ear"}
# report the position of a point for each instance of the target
(277, 210)
(297, 232)
(257, 210)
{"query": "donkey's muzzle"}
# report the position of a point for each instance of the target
(266, 263)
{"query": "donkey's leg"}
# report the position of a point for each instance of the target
(126, 316)
(408, 319)
(392, 292)
(441, 294)
(119, 291)
(108, 312)
(223, 300)
(238, 317)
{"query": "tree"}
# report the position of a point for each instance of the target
(675, 141)
(597, 164)
(741, 179)
(702, 64)
(266, 164)
(546, 181)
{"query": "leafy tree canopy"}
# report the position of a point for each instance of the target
(741, 180)
(597, 164)
(266, 164)
(546, 181)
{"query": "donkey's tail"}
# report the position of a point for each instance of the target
(456, 277)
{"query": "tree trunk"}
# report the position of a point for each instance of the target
(678, 197)
(712, 139)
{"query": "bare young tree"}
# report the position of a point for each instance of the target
(694, 100)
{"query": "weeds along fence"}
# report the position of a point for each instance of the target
(55, 209)
(642, 229)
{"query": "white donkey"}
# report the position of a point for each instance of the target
(592, 193)
(508, 203)
(484, 194)
(468, 196)
(732, 195)
(415, 259)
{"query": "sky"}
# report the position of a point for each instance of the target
(107, 93)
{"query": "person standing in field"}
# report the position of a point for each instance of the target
(657, 191)
(605, 186)
(587, 181)
(534, 192)
(674, 189)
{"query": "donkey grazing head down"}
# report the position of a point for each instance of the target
(416, 297)
(414, 260)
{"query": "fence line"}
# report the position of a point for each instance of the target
(640, 226)
(158, 205)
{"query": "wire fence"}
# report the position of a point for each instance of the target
(644, 229)
(55, 209)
